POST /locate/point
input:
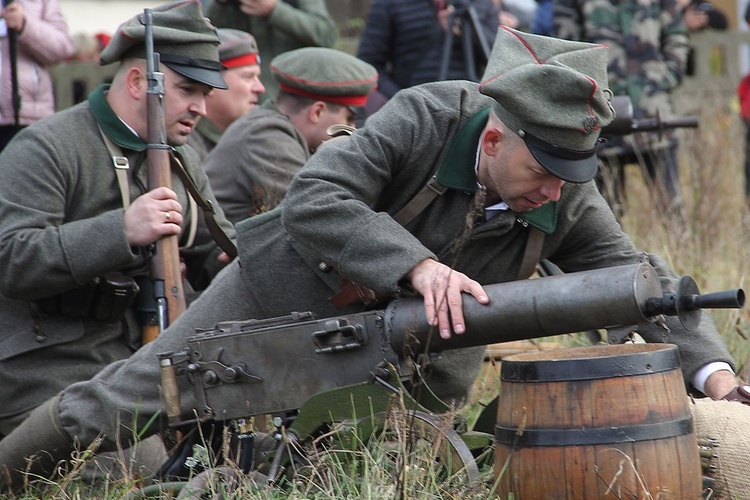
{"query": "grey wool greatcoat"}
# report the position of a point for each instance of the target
(338, 210)
(61, 226)
(250, 169)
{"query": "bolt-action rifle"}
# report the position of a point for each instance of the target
(166, 276)
(319, 371)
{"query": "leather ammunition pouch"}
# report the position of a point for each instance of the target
(105, 298)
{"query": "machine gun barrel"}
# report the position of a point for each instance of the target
(535, 308)
(728, 299)
(686, 302)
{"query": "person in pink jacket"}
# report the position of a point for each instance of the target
(41, 40)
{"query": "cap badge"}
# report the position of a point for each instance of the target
(590, 123)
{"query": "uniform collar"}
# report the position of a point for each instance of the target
(209, 130)
(111, 124)
(457, 170)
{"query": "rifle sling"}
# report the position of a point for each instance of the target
(217, 233)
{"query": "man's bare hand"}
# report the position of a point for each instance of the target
(442, 289)
(720, 383)
(14, 17)
(444, 17)
(151, 216)
(224, 258)
(259, 8)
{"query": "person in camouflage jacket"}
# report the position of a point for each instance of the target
(648, 55)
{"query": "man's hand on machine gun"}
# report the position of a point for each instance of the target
(442, 289)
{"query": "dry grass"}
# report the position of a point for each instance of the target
(711, 244)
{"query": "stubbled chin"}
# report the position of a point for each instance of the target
(178, 140)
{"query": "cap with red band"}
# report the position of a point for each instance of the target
(324, 74)
(237, 48)
(246, 60)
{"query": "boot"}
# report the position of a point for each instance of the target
(34, 447)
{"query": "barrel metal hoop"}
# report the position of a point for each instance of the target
(566, 370)
(593, 435)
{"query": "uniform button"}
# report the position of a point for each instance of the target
(325, 267)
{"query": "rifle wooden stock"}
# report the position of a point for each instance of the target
(166, 274)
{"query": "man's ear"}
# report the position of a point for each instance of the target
(315, 111)
(492, 139)
(136, 82)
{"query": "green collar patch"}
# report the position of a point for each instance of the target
(111, 123)
(457, 169)
(543, 218)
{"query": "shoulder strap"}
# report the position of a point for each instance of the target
(421, 200)
(532, 253)
(122, 167)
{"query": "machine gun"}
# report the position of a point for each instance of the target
(625, 123)
(311, 373)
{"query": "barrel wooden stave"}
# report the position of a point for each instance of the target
(667, 468)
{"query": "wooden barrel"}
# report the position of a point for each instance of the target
(596, 422)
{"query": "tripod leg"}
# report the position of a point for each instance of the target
(447, 49)
(471, 67)
(479, 32)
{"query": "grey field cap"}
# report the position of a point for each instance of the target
(555, 94)
(186, 42)
(238, 48)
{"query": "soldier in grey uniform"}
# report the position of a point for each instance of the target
(251, 167)
(74, 240)
(238, 53)
(516, 153)
(278, 25)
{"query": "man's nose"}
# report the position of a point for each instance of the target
(198, 107)
(552, 189)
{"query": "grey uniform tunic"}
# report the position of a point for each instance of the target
(61, 226)
(338, 210)
(251, 167)
(204, 137)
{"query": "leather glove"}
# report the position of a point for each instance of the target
(740, 393)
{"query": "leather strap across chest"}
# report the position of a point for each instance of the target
(195, 197)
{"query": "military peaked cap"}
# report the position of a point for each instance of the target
(237, 48)
(185, 40)
(554, 93)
